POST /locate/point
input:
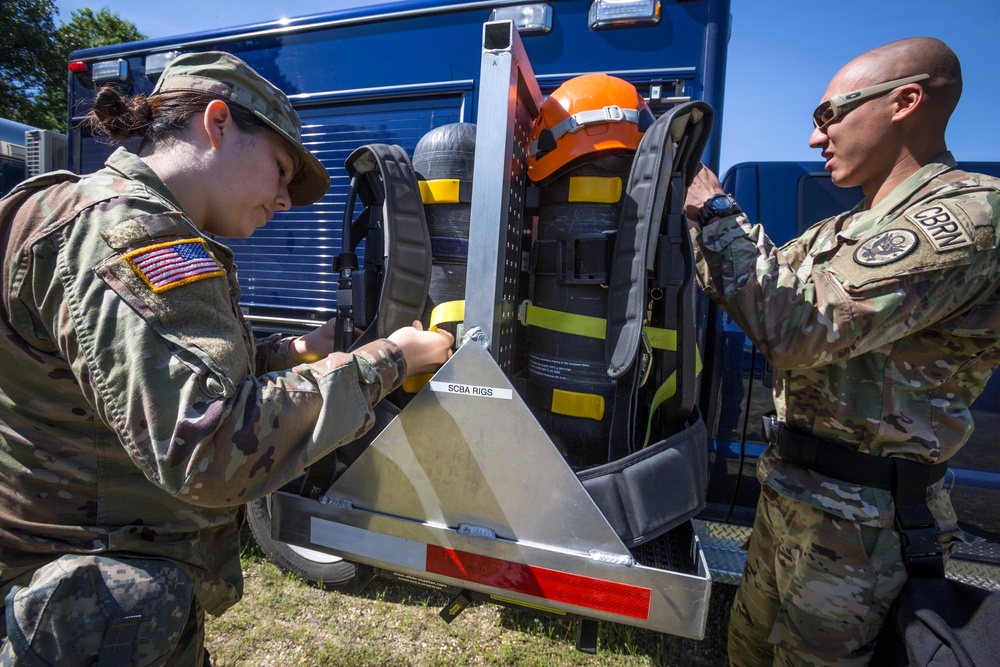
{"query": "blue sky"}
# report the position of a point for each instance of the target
(781, 56)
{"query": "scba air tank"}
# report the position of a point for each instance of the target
(444, 160)
(583, 143)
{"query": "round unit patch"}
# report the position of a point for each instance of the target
(886, 247)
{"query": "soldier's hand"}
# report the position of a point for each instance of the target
(424, 351)
(314, 345)
(705, 185)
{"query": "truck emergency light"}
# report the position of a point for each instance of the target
(530, 19)
(623, 13)
(157, 62)
(111, 71)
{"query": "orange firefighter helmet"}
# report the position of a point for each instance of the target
(587, 114)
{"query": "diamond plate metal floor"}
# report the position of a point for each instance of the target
(977, 564)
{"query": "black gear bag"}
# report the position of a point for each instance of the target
(935, 621)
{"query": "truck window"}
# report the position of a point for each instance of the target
(819, 198)
(11, 173)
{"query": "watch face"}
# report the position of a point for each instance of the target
(717, 206)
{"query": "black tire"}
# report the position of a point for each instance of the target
(320, 569)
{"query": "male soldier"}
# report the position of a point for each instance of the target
(136, 411)
(882, 325)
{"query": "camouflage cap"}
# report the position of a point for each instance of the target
(230, 79)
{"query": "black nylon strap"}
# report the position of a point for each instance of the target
(575, 260)
(922, 553)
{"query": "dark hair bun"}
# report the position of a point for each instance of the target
(118, 117)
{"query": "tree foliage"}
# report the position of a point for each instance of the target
(34, 55)
(28, 44)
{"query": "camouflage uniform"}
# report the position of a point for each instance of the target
(136, 410)
(883, 329)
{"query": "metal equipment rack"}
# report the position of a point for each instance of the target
(463, 490)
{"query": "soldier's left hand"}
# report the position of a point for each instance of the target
(314, 345)
(705, 185)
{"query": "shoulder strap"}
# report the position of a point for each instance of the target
(385, 181)
(667, 159)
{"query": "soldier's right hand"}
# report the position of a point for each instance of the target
(424, 351)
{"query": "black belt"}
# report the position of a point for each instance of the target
(847, 464)
(907, 480)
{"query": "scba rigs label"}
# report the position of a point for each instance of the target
(471, 390)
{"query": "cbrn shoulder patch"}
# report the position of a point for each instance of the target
(942, 226)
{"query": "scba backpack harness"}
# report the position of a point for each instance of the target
(650, 487)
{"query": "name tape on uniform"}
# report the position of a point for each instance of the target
(471, 390)
(941, 227)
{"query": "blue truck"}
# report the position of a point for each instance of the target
(409, 502)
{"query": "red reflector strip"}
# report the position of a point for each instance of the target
(575, 589)
(78, 66)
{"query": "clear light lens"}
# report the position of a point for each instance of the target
(157, 62)
(623, 13)
(108, 71)
(529, 19)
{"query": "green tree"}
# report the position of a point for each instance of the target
(26, 57)
(84, 30)
(33, 64)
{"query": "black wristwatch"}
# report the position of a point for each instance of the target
(718, 206)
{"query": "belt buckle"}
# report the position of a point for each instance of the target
(769, 428)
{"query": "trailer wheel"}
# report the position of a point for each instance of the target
(320, 569)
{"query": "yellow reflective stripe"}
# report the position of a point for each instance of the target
(575, 404)
(661, 339)
(449, 311)
(595, 189)
(440, 191)
(592, 327)
(665, 391)
(554, 320)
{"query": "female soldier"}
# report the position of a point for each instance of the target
(136, 411)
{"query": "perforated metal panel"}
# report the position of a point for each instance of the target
(495, 236)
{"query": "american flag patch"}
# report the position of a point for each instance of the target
(165, 266)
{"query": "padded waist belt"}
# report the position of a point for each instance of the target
(847, 464)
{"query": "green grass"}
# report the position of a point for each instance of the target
(284, 621)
